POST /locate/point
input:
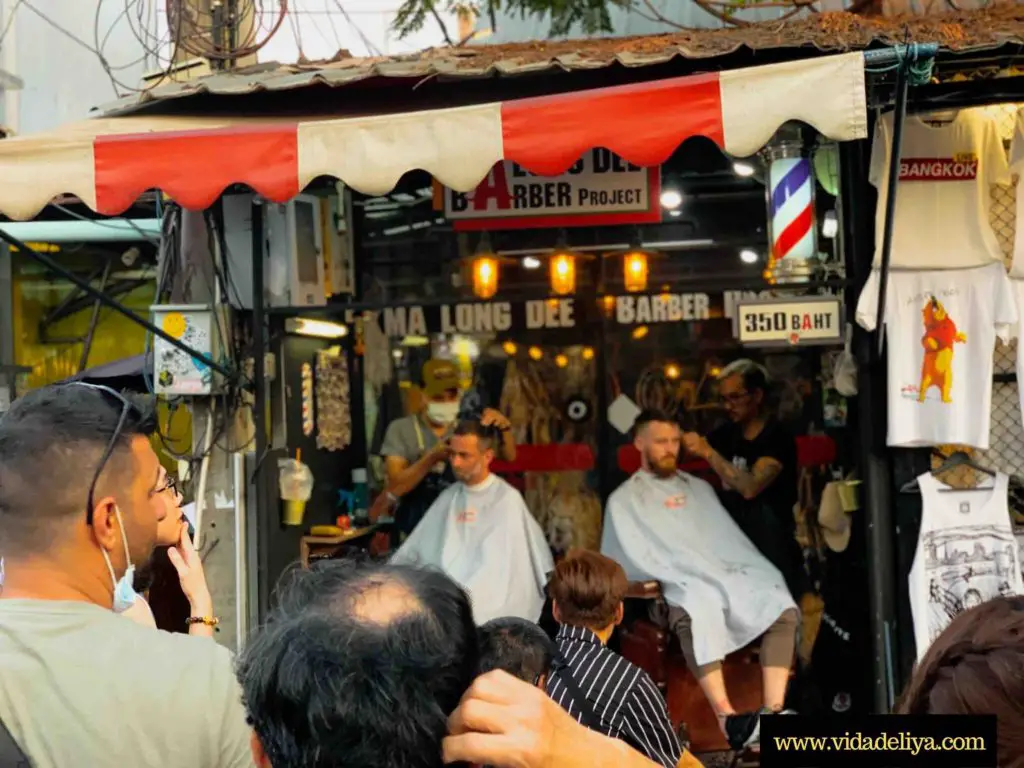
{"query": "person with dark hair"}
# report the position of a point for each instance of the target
(755, 457)
(720, 592)
(597, 686)
(974, 668)
(360, 664)
(481, 534)
(174, 552)
(518, 647)
(416, 450)
(80, 683)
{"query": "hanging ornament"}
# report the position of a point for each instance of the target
(307, 400)
(334, 422)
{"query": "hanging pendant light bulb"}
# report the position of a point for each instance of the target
(635, 271)
(485, 270)
(563, 273)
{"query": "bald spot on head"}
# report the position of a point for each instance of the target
(385, 601)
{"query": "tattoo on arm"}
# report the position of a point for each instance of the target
(747, 484)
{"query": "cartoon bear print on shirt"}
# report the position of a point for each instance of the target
(940, 334)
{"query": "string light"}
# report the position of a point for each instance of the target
(535, 353)
(672, 371)
(640, 331)
(561, 361)
(588, 353)
(510, 348)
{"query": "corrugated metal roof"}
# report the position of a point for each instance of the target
(826, 32)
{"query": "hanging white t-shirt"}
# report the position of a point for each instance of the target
(966, 554)
(941, 327)
(942, 203)
(1017, 166)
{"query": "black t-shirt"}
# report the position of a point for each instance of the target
(773, 441)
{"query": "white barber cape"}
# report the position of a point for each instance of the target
(677, 532)
(485, 538)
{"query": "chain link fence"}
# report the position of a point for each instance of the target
(1006, 442)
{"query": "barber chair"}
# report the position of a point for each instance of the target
(656, 651)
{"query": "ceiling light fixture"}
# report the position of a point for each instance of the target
(671, 199)
(743, 169)
(748, 256)
(531, 262)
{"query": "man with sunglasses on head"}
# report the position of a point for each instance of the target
(80, 500)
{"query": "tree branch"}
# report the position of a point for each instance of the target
(441, 24)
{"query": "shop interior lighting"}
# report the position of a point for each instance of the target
(830, 225)
(672, 371)
(675, 213)
(635, 270)
(588, 353)
(510, 348)
(671, 199)
(485, 277)
(561, 361)
(531, 262)
(415, 341)
(749, 256)
(321, 329)
(563, 273)
(535, 353)
(743, 169)
(640, 331)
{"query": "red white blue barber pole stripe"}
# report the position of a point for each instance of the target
(791, 214)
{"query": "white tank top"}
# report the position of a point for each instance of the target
(966, 554)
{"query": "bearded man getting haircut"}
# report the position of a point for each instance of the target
(722, 593)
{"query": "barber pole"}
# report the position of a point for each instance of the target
(790, 213)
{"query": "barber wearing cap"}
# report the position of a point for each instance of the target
(415, 448)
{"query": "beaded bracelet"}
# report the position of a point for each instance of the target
(209, 621)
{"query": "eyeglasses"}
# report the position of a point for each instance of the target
(126, 408)
(170, 484)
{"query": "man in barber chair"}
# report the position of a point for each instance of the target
(720, 593)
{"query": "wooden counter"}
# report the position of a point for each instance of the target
(310, 546)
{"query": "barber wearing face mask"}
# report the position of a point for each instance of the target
(415, 448)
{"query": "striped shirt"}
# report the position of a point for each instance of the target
(630, 707)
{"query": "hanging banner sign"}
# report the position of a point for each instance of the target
(601, 189)
(537, 314)
(789, 322)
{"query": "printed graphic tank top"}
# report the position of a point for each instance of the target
(966, 554)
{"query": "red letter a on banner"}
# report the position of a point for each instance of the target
(493, 187)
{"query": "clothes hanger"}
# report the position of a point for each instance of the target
(954, 460)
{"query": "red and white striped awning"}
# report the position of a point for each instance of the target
(108, 163)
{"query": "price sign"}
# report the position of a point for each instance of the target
(789, 322)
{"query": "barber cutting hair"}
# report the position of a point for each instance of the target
(755, 457)
(416, 449)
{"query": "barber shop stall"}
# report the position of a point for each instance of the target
(553, 262)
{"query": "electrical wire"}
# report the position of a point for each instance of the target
(106, 222)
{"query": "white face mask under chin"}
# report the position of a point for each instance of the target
(124, 588)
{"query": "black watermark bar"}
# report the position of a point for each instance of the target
(879, 741)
